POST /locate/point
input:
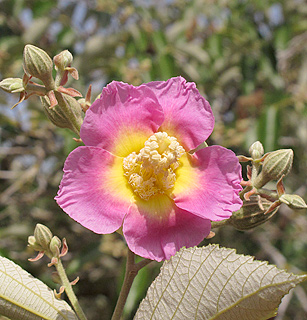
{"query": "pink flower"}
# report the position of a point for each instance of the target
(135, 171)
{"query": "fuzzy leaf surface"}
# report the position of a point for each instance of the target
(216, 283)
(23, 297)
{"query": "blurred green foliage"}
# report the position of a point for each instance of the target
(248, 58)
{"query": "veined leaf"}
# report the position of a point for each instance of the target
(23, 297)
(216, 283)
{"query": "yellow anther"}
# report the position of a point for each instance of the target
(152, 170)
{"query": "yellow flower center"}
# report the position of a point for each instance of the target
(152, 170)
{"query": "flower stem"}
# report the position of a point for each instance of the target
(69, 291)
(245, 190)
(36, 89)
(132, 270)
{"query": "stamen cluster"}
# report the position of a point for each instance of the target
(152, 170)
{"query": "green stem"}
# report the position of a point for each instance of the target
(36, 88)
(268, 194)
(245, 190)
(132, 270)
(255, 171)
(58, 77)
(69, 291)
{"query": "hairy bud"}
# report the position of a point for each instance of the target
(42, 236)
(252, 214)
(12, 85)
(63, 60)
(293, 201)
(33, 244)
(69, 117)
(62, 63)
(38, 64)
(55, 246)
(275, 165)
(256, 150)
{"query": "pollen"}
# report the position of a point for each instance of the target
(152, 171)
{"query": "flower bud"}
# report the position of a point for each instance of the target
(12, 85)
(274, 166)
(38, 64)
(69, 117)
(252, 214)
(62, 60)
(62, 63)
(256, 150)
(42, 236)
(33, 244)
(293, 201)
(55, 246)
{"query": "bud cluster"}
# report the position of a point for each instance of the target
(260, 204)
(44, 242)
(37, 63)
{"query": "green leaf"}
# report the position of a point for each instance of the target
(24, 297)
(216, 283)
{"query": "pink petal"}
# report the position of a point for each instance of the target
(211, 191)
(188, 116)
(93, 190)
(122, 110)
(156, 238)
